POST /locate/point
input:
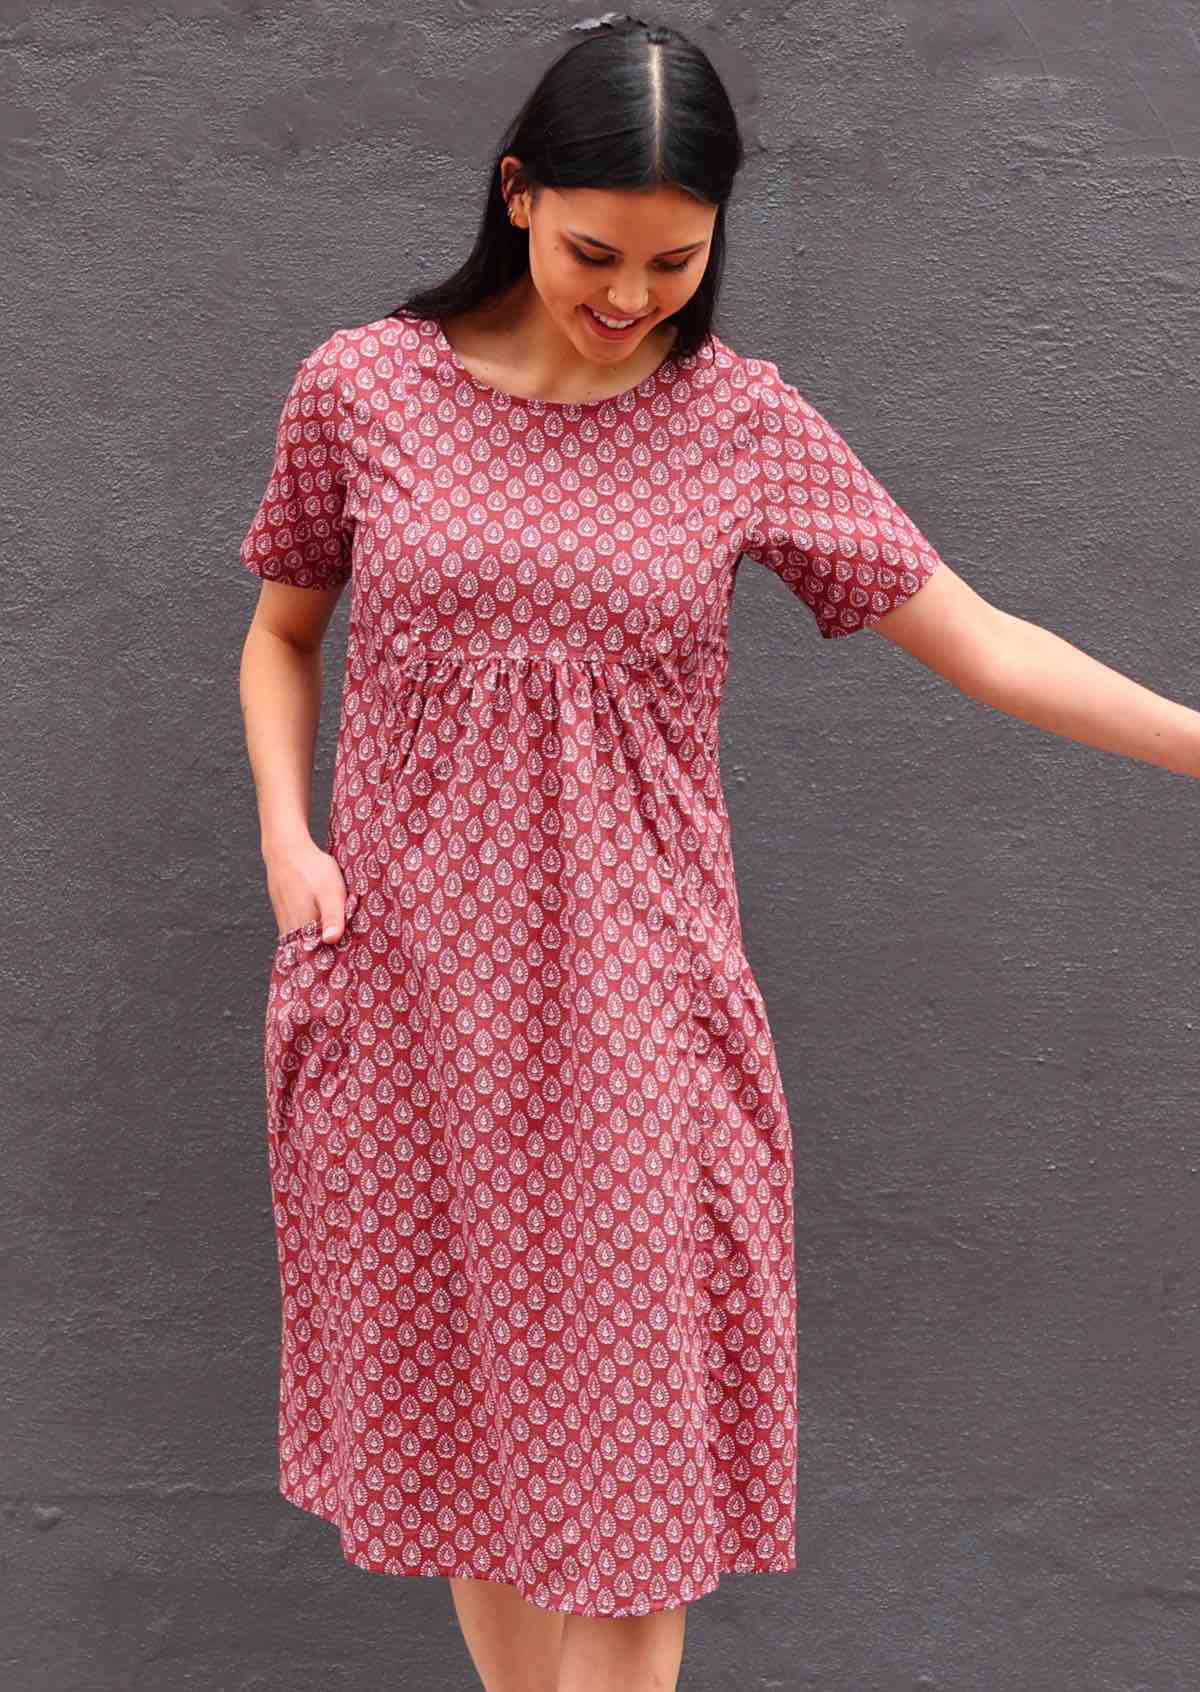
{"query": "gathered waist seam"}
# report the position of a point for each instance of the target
(421, 659)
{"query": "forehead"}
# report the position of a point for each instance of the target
(660, 217)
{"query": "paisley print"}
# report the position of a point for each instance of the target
(529, 1152)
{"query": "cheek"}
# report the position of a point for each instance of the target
(558, 274)
(555, 278)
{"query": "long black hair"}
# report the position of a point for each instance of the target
(632, 105)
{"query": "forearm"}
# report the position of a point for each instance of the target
(1042, 679)
(280, 689)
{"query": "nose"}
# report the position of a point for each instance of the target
(627, 301)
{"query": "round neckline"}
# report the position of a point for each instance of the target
(647, 384)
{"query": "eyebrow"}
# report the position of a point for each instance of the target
(666, 253)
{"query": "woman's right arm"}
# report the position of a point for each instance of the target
(280, 690)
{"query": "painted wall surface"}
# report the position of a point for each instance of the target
(969, 232)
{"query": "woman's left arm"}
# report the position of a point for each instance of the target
(1031, 673)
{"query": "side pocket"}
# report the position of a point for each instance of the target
(306, 937)
(290, 943)
(305, 928)
(309, 1013)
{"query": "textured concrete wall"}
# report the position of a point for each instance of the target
(969, 233)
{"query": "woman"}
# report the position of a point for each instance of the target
(529, 1148)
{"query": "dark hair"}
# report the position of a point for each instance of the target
(633, 105)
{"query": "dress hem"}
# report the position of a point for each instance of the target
(465, 1572)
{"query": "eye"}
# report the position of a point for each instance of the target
(585, 258)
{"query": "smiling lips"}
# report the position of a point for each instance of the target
(615, 327)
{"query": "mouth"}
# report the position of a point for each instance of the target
(615, 329)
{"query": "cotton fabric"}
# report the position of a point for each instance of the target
(529, 1152)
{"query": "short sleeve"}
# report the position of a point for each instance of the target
(300, 533)
(822, 522)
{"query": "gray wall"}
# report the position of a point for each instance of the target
(969, 232)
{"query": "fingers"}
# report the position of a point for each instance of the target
(333, 916)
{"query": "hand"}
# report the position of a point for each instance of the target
(305, 884)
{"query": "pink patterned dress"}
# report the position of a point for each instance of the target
(529, 1151)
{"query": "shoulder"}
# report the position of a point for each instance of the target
(754, 386)
(762, 378)
(332, 353)
(356, 345)
(318, 374)
(354, 360)
(385, 351)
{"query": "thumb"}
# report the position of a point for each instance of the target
(332, 920)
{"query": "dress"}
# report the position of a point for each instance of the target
(529, 1151)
